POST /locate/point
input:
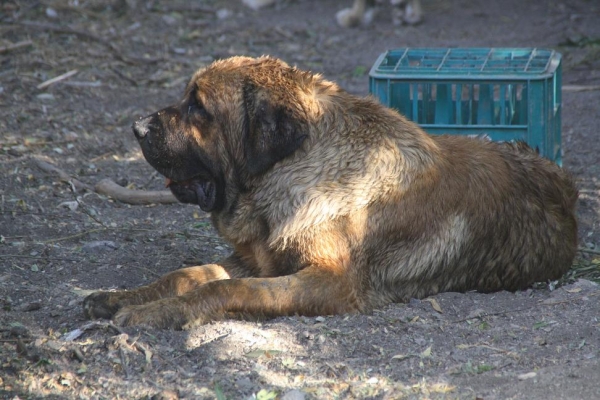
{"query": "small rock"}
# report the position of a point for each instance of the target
(54, 345)
(70, 136)
(244, 384)
(77, 355)
(414, 302)
(528, 375)
(294, 395)
(540, 341)
(51, 13)
(33, 306)
(420, 341)
(21, 348)
(99, 246)
(45, 96)
(223, 13)
(120, 181)
(169, 19)
(18, 330)
(477, 313)
(71, 205)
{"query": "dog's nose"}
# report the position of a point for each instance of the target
(140, 128)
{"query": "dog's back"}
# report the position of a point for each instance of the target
(486, 216)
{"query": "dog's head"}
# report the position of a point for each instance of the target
(237, 119)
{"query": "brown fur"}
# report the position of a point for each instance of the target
(336, 204)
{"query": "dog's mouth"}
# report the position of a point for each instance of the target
(196, 190)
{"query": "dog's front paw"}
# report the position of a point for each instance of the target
(165, 314)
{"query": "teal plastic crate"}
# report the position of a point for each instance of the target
(502, 93)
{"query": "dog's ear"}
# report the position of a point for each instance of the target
(274, 130)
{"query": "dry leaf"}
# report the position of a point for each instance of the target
(426, 353)
(576, 290)
(435, 305)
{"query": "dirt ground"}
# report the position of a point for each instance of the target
(59, 242)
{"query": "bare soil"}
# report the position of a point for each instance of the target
(59, 243)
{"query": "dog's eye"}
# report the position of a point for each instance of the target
(195, 107)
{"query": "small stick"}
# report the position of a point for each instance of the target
(80, 234)
(15, 46)
(580, 88)
(59, 78)
(584, 250)
(109, 188)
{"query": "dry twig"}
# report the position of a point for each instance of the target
(59, 78)
(15, 46)
(580, 88)
(590, 251)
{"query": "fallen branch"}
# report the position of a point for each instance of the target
(49, 168)
(59, 78)
(15, 46)
(109, 188)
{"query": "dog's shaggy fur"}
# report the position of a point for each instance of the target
(335, 204)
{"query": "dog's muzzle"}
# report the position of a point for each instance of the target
(140, 128)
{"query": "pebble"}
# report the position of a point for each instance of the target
(71, 205)
(33, 306)
(294, 394)
(18, 331)
(99, 246)
(528, 375)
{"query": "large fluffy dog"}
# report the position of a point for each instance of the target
(336, 204)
